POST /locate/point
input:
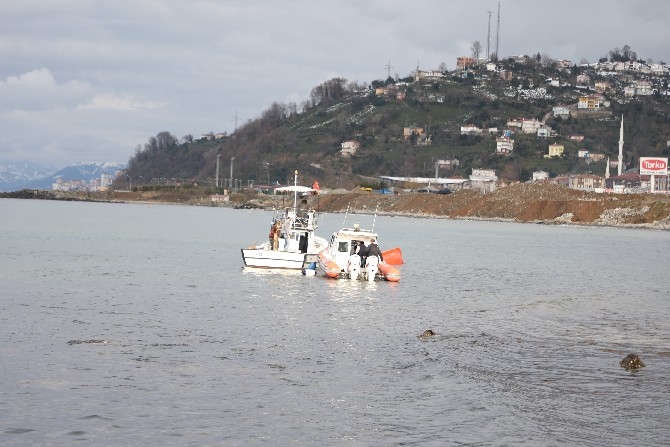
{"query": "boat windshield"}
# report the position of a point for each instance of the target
(343, 246)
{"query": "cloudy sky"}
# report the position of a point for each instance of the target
(90, 80)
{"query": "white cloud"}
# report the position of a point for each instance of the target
(115, 102)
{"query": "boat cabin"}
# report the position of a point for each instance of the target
(296, 228)
(344, 242)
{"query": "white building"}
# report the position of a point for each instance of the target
(561, 110)
(540, 175)
(483, 179)
(504, 145)
(349, 148)
(470, 130)
(530, 125)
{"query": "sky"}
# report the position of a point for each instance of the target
(91, 80)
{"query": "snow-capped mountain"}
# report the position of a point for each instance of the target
(16, 176)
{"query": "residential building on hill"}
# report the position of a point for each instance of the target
(465, 61)
(590, 102)
(504, 145)
(561, 110)
(349, 148)
(530, 125)
(555, 150)
(639, 88)
(469, 129)
(408, 131)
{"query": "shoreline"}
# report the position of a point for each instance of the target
(541, 204)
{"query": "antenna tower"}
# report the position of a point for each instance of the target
(388, 68)
(235, 120)
(498, 32)
(488, 38)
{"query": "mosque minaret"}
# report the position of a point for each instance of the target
(621, 147)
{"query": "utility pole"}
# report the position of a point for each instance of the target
(232, 159)
(218, 159)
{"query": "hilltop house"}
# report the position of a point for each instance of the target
(638, 88)
(514, 123)
(448, 163)
(469, 129)
(530, 125)
(555, 150)
(504, 145)
(561, 110)
(465, 61)
(408, 131)
(589, 102)
(602, 86)
(349, 148)
(583, 79)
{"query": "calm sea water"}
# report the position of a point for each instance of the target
(532, 322)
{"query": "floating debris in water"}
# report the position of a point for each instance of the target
(632, 361)
(427, 334)
(92, 342)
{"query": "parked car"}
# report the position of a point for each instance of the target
(443, 191)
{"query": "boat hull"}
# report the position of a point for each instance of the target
(328, 266)
(332, 270)
(389, 272)
(273, 259)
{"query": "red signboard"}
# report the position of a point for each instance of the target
(653, 166)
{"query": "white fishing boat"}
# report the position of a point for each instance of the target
(292, 243)
(340, 260)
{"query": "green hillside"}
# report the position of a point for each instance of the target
(285, 137)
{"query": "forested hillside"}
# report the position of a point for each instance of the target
(308, 137)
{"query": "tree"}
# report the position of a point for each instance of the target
(476, 48)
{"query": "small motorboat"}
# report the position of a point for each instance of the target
(293, 244)
(339, 259)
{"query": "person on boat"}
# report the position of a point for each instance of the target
(275, 240)
(371, 267)
(363, 252)
(271, 236)
(373, 250)
(354, 264)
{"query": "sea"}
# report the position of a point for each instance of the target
(136, 325)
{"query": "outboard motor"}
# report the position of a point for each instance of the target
(371, 264)
(354, 265)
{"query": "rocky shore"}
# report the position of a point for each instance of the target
(537, 203)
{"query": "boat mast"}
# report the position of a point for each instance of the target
(295, 191)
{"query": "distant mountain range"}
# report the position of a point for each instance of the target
(15, 176)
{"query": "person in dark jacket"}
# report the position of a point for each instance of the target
(373, 250)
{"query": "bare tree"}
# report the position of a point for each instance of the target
(547, 60)
(476, 48)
